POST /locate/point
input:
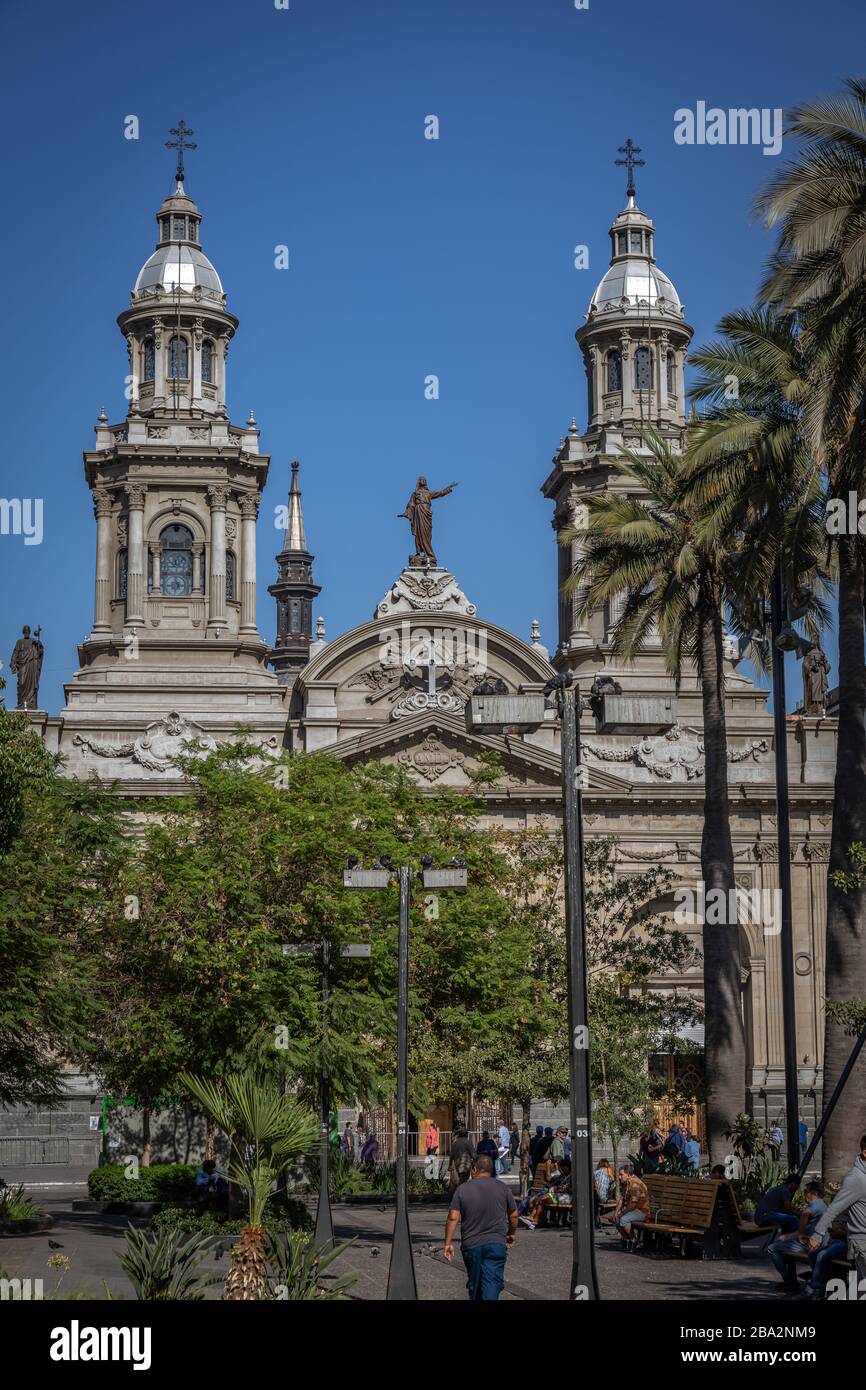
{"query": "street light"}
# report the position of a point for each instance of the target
(324, 1232)
(526, 712)
(401, 1271)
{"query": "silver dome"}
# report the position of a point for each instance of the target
(163, 266)
(636, 280)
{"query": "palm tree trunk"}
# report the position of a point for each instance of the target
(724, 1045)
(846, 911)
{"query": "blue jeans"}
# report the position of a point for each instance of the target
(788, 1245)
(783, 1219)
(485, 1270)
(818, 1259)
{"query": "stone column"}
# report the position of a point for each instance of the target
(659, 357)
(102, 597)
(134, 350)
(135, 573)
(154, 560)
(680, 381)
(217, 500)
(159, 367)
(195, 372)
(627, 379)
(249, 512)
(197, 552)
(595, 367)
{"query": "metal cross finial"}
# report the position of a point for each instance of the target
(180, 144)
(630, 150)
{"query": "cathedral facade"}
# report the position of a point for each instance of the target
(174, 652)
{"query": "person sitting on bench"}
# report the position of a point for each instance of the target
(560, 1186)
(776, 1207)
(633, 1206)
(792, 1245)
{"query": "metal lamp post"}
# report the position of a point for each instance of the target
(493, 713)
(401, 1271)
(324, 1230)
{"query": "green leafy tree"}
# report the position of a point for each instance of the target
(61, 886)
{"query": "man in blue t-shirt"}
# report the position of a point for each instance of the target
(487, 1215)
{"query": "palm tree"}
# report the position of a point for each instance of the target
(818, 204)
(268, 1133)
(648, 547)
(751, 473)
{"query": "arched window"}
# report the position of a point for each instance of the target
(635, 242)
(178, 357)
(175, 561)
(230, 574)
(178, 228)
(642, 370)
(122, 572)
(207, 360)
(295, 619)
(166, 228)
(149, 356)
(672, 374)
(621, 243)
(614, 370)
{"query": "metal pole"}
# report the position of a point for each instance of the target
(324, 1232)
(831, 1103)
(584, 1280)
(786, 942)
(401, 1273)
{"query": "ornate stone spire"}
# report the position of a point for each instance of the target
(294, 592)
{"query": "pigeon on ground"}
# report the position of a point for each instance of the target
(374, 1252)
(219, 1252)
(54, 1245)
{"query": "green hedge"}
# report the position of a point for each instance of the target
(162, 1182)
(283, 1214)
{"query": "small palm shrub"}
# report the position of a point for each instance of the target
(14, 1206)
(298, 1266)
(164, 1265)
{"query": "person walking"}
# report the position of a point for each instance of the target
(348, 1143)
(432, 1140)
(504, 1148)
(776, 1139)
(486, 1213)
(462, 1158)
(849, 1201)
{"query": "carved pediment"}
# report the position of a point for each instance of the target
(433, 744)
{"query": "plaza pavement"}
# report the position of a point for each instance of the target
(538, 1268)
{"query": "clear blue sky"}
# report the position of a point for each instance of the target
(408, 256)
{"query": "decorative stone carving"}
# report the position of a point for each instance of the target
(158, 432)
(101, 501)
(431, 759)
(648, 856)
(425, 591)
(816, 850)
(135, 495)
(249, 505)
(679, 751)
(218, 498)
(765, 851)
(121, 530)
(447, 701)
(158, 746)
(231, 528)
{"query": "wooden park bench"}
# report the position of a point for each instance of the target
(699, 1210)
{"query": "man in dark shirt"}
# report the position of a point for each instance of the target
(776, 1207)
(487, 1215)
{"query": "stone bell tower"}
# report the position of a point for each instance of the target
(176, 489)
(634, 344)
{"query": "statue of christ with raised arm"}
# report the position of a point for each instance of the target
(420, 514)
